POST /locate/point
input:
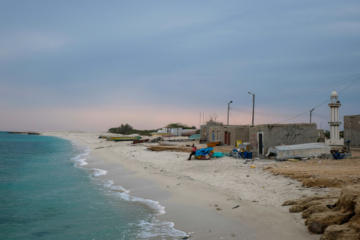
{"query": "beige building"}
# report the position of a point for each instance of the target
(261, 137)
(352, 130)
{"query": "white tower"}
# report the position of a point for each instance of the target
(334, 121)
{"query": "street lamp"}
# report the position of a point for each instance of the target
(228, 112)
(311, 113)
(253, 94)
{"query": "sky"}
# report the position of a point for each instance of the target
(93, 65)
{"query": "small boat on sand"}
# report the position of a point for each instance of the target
(117, 139)
(140, 141)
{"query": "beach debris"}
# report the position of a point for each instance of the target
(204, 153)
(240, 153)
(169, 148)
(186, 177)
(155, 140)
(136, 141)
(218, 155)
(218, 209)
(253, 166)
(236, 206)
(247, 176)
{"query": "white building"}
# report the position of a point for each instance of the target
(334, 121)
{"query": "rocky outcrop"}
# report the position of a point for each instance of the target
(340, 232)
(335, 218)
(318, 222)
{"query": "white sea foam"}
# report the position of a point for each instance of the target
(99, 172)
(159, 229)
(124, 194)
(153, 228)
(80, 158)
(82, 162)
(150, 229)
(110, 184)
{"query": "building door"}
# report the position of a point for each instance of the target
(213, 136)
(260, 144)
(227, 138)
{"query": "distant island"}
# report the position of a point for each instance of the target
(26, 133)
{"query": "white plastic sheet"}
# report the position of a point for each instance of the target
(307, 150)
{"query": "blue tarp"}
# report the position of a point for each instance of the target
(218, 155)
(203, 151)
(237, 154)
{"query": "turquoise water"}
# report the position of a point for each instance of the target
(46, 193)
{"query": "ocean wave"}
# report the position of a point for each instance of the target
(153, 229)
(122, 193)
(156, 229)
(80, 153)
(98, 172)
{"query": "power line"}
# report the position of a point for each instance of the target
(259, 112)
(315, 90)
(294, 117)
(351, 82)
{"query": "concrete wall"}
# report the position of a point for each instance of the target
(320, 135)
(281, 134)
(352, 130)
(217, 134)
(204, 131)
(272, 134)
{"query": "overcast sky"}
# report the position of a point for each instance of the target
(92, 65)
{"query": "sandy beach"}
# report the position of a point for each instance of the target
(208, 199)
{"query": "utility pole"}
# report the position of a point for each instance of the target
(253, 94)
(311, 113)
(228, 112)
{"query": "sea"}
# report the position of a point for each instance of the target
(47, 191)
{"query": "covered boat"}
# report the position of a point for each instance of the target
(307, 150)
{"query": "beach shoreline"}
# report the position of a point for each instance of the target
(217, 199)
